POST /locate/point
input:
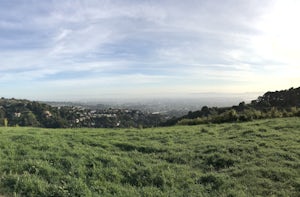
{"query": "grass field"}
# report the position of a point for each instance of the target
(260, 158)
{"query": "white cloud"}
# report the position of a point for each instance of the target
(169, 45)
(62, 34)
(79, 41)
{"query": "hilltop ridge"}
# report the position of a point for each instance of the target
(22, 112)
(283, 103)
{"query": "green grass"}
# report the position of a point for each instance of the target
(260, 158)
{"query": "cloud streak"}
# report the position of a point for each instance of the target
(170, 45)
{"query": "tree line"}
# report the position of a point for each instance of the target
(284, 103)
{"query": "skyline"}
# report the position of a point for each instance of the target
(74, 50)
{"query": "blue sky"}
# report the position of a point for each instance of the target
(102, 49)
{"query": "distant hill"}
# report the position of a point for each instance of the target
(18, 112)
(284, 103)
(281, 99)
(29, 113)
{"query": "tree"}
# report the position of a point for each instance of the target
(29, 119)
(205, 111)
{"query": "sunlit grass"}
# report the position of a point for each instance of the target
(244, 159)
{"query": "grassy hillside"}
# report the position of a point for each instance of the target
(242, 159)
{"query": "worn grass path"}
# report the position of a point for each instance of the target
(259, 158)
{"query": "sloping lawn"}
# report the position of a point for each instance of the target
(260, 158)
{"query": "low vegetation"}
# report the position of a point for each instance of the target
(278, 104)
(258, 158)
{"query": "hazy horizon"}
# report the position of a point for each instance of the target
(199, 97)
(76, 50)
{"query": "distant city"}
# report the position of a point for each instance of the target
(168, 106)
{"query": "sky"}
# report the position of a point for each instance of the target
(107, 49)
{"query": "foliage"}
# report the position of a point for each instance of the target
(259, 158)
(37, 114)
(283, 99)
(285, 103)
